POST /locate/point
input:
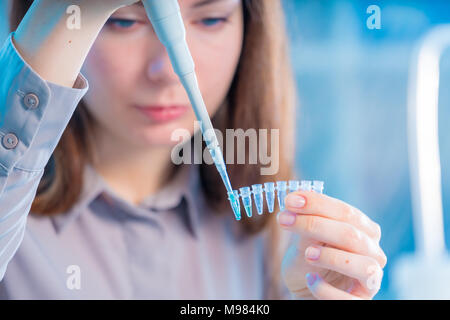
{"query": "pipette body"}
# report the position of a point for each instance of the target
(165, 16)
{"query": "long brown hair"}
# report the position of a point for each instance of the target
(261, 95)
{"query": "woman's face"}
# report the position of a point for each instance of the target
(128, 69)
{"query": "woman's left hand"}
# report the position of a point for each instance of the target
(335, 252)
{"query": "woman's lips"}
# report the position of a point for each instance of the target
(163, 113)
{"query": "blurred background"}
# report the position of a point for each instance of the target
(351, 120)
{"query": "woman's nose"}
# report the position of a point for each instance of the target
(155, 67)
(160, 71)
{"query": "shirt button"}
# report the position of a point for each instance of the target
(10, 141)
(31, 101)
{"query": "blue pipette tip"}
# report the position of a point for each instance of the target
(233, 197)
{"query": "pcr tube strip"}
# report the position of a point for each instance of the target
(270, 189)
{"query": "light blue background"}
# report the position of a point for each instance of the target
(351, 125)
(3, 20)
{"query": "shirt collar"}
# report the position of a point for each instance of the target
(184, 185)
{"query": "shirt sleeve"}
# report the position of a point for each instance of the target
(33, 116)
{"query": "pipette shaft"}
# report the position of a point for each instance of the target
(165, 16)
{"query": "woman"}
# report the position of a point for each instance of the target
(110, 216)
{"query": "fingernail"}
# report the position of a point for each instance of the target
(286, 218)
(295, 201)
(312, 253)
(310, 278)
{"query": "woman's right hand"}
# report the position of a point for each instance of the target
(55, 51)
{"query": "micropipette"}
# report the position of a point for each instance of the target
(165, 16)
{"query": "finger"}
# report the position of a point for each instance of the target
(308, 202)
(365, 269)
(322, 290)
(335, 233)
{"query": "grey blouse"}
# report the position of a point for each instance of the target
(171, 246)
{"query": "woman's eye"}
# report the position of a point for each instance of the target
(121, 23)
(212, 22)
